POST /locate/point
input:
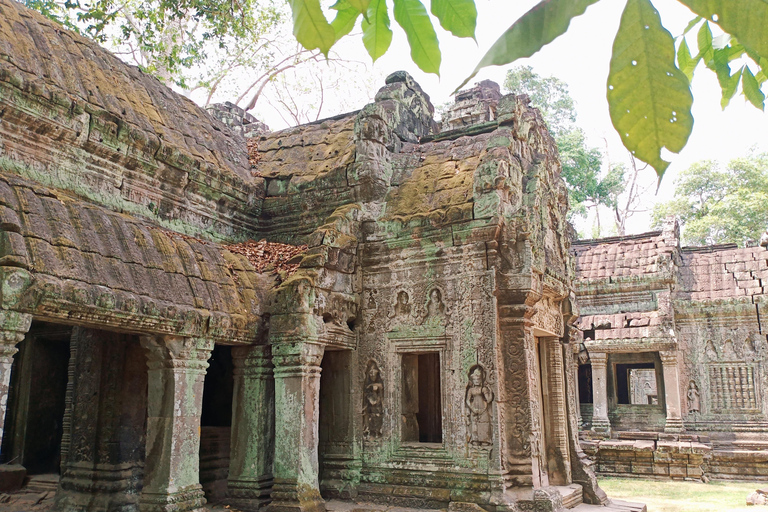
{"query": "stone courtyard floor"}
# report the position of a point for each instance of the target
(659, 496)
(674, 496)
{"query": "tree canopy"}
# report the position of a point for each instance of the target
(648, 87)
(720, 205)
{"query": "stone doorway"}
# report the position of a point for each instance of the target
(216, 423)
(37, 395)
(335, 421)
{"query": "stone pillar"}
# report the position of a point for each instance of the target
(176, 374)
(253, 429)
(102, 455)
(13, 328)
(671, 391)
(297, 408)
(600, 421)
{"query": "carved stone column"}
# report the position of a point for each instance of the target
(671, 391)
(253, 429)
(600, 421)
(297, 407)
(176, 373)
(13, 328)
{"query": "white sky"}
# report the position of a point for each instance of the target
(581, 58)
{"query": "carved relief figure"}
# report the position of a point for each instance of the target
(711, 351)
(478, 399)
(435, 306)
(402, 306)
(729, 351)
(373, 400)
(694, 398)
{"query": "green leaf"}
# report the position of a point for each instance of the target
(425, 50)
(648, 97)
(538, 27)
(459, 17)
(745, 19)
(377, 35)
(752, 89)
(685, 62)
(310, 27)
(360, 5)
(346, 17)
(729, 86)
(704, 41)
(695, 21)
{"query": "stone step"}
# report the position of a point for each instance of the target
(573, 495)
(613, 506)
(42, 483)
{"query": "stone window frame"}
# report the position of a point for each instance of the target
(419, 345)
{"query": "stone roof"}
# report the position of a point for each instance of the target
(67, 68)
(88, 264)
(722, 272)
(77, 118)
(435, 179)
(636, 255)
(309, 151)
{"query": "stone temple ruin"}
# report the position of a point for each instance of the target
(406, 333)
(416, 348)
(673, 360)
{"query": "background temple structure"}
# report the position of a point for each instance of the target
(415, 348)
(674, 352)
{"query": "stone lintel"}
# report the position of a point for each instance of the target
(630, 345)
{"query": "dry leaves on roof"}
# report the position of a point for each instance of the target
(262, 254)
(254, 156)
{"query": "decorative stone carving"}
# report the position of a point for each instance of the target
(694, 398)
(478, 399)
(373, 396)
(733, 387)
(14, 327)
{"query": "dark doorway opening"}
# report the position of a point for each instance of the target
(623, 372)
(422, 398)
(585, 384)
(216, 423)
(37, 394)
(335, 422)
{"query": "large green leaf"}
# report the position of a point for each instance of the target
(346, 17)
(745, 19)
(310, 27)
(425, 50)
(377, 36)
(532, 31)
(648, 97)
(459, 17)
(752, 89)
